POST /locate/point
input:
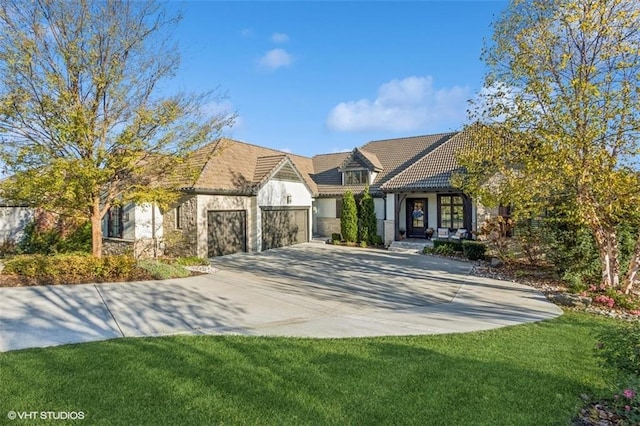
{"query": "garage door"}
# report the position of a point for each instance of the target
(226, 232)
(284, 227)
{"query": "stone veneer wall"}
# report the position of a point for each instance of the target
(327, 226)
(184, 241)
(140, 249)
(116, 247)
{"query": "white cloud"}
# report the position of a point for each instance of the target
(338, 150)
(221, 109)
(275, 59)
(403, 105)
(246, 32)
(287, 150)
(279, 38)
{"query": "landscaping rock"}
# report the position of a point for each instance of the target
(496, 263)
(568, 299)
(206, 269)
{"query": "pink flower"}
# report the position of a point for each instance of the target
(627, 408)
(629, 393)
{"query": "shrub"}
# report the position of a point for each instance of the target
(71, 268)
(473, 250)
(444, 250)
(8, 247)
(620, 348)
(427, 250)
(377, 240)
(349, 218)
(367, 222)
(363, 244)
(36, 241)
(163, 271)
(496, 231)
(454, 245)
(336, 237)
(192, 261)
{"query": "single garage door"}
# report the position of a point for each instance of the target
(226, 232)
(284, 227)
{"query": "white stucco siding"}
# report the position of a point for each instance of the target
(326, 207)
(148, 222)
(390, 206)
(13, 221)
(284, 193)
(280, 193)
(226, 202)
(379, 204)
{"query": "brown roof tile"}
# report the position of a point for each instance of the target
(393, 155)
(434, 170)
(232, 166)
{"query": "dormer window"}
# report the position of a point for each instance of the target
(356, 177)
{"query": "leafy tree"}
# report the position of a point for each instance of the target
(367, 222)
(85, 120)
(558, 122)
(349, 217)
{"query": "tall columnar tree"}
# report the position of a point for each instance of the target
(368, 224)
(349, 217)
(86, 120)
(558, 122)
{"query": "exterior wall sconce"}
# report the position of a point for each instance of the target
(289, 198)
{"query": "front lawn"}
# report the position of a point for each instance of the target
(525, 375)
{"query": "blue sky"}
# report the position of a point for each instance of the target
(319, 77)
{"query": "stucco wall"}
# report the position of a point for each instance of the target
(326, 207)
(284, 193)
(280, 193)
(12, 222)
(147, 217)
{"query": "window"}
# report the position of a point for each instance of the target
(114, 222)
(451, 211)
(339, 208)
(179, 217)
(356, 177)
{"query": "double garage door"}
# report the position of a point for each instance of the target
(227, 230)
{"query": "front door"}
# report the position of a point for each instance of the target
(416, 217)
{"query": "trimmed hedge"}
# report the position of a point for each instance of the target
(473, 250)
(72, 268)
(455, 246)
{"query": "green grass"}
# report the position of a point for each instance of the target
(524, 375)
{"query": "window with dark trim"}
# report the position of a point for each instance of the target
(179, 217)
(339, 208)
(115, 221)
(451, 211)
(356, 177)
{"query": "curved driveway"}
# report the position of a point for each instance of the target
(309, 290)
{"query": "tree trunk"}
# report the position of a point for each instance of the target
(96, 228)
(607, 242)
(634, 268)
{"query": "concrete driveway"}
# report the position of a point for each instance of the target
(309, 290)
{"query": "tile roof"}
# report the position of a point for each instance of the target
(232, 166)
(413, 163)
(266, 164)
(432, 171)
(372, 159)
(393, 157)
